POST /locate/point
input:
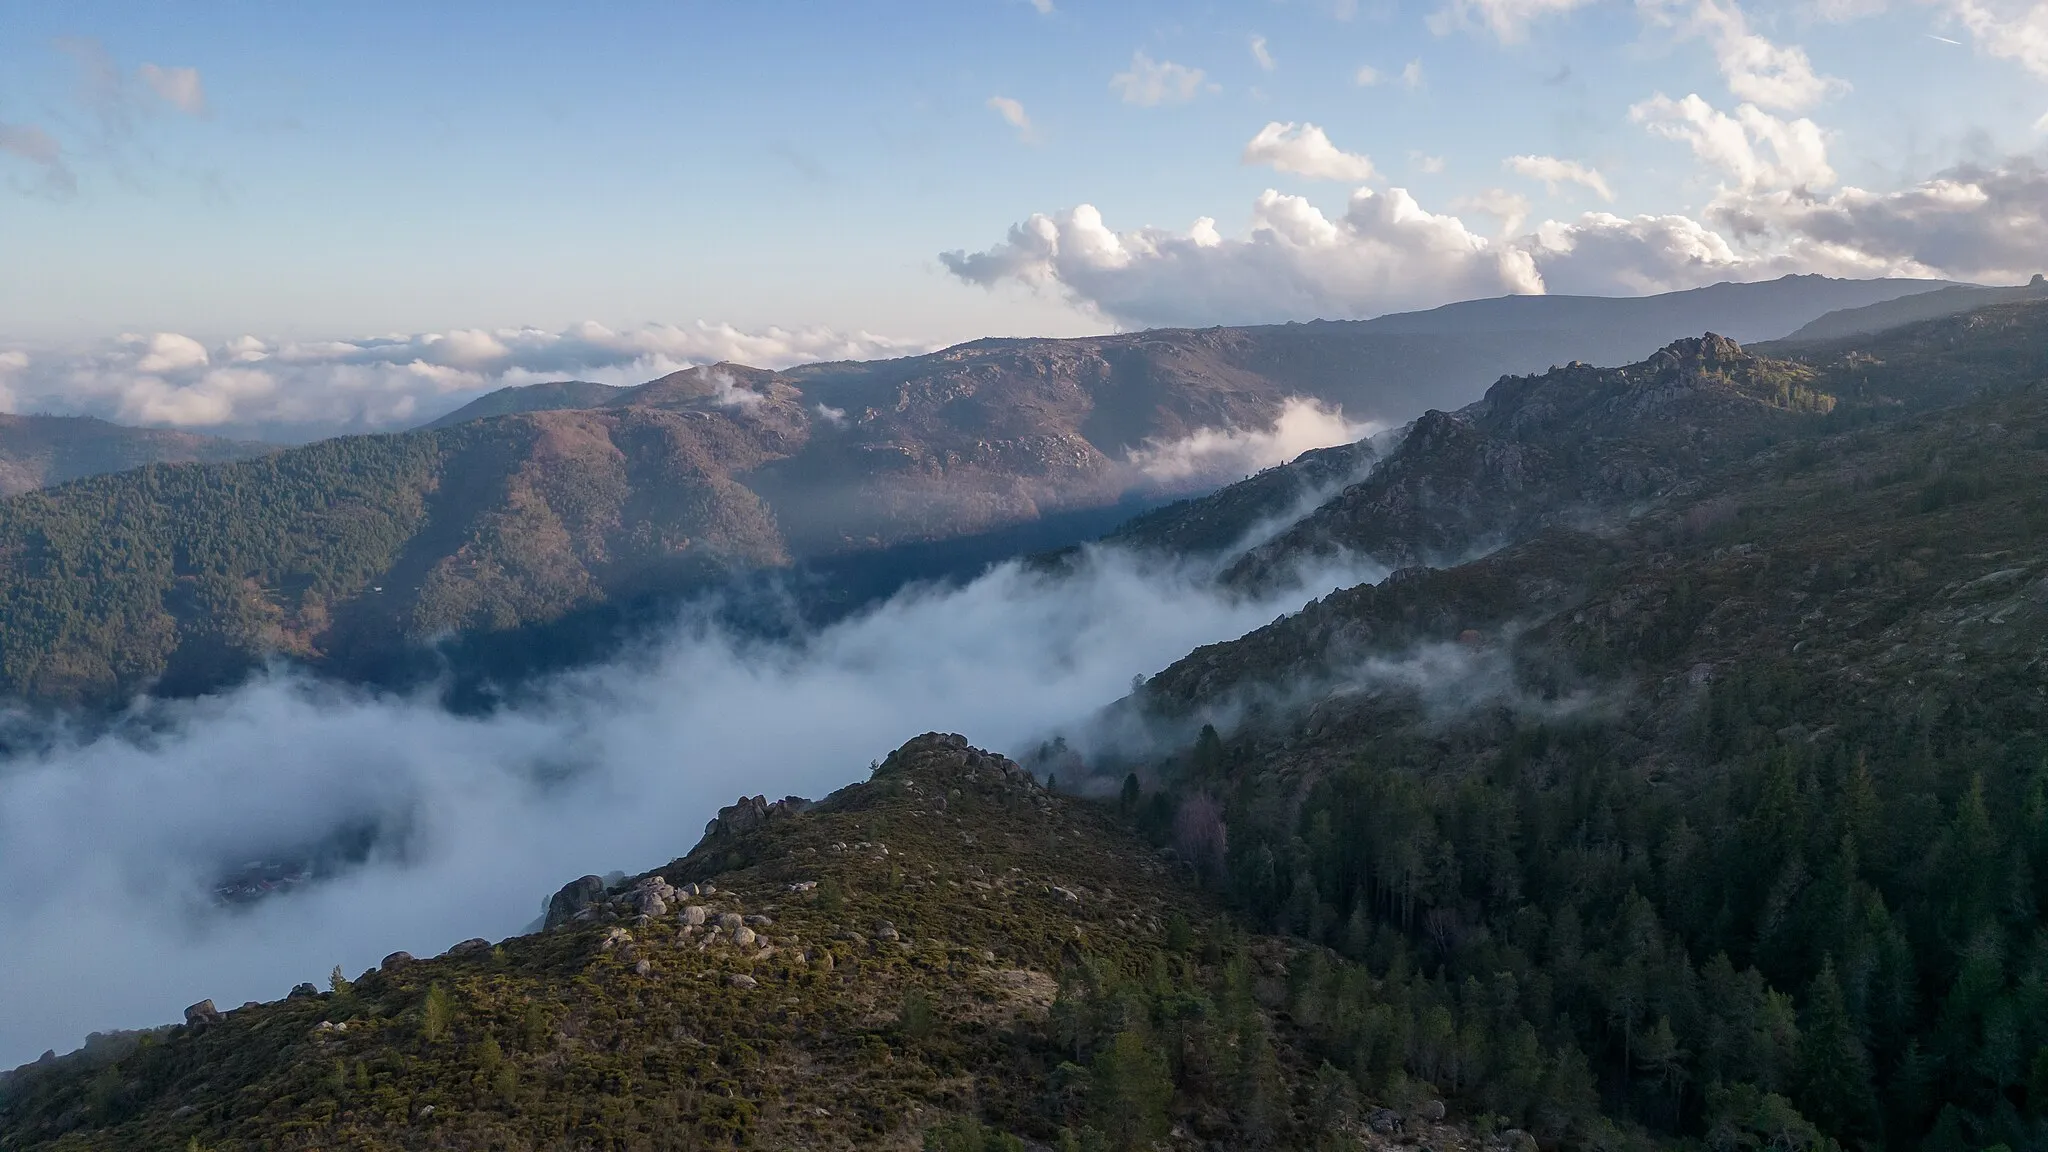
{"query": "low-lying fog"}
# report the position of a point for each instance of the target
(109, 848)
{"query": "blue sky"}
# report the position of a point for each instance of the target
(309, 171)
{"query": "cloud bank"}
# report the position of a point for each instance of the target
(1774, 211)
(306, 389)
(108, 847)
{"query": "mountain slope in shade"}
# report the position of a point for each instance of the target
(1383, 370)
(39, 451)
(1765, 745)
(1582, 445)
(1874, 318)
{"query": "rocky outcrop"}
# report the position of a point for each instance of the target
(574, 897)
(751, 812)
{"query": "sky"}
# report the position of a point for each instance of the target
(323, 212)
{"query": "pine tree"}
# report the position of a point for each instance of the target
(1835, 1089)
(1129, 1090)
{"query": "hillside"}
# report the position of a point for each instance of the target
(1872, 318)
(1581, 445)
(1707, 806)
(1742, 793)
(539, 526)
(40, 451)
(947, 956)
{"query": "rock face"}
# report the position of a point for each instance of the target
(751, 812)
(202, 1013)
(575, 896)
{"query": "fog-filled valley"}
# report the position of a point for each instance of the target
(110, 847)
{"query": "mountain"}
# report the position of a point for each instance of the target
(1735, 781)
(533, 537)
(1948, 301)
(1382, 370)
(39, 451)
(1696, 797)
(561, 394)
(947, 956)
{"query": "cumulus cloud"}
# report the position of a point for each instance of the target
(1505, 206)
(1367, 76)
(1261, 54)
(117, 840)
(1752, 149)
(178, 87)
(1306, 150)
(1770, 216)
(1384, 253)
(1509, 20)
(1553, 172)
(1411, 74)
(1214, 456)
(1012, 112)
(1756, 69)
(295, 390)
(1981, 222)
(1151, 83)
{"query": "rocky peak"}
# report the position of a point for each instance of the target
(1709, 352)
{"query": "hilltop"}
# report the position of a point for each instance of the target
(948, 955)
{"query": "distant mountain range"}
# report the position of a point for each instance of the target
(38, 451)
(533, 505)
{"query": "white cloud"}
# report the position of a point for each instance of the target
(1151, 83)
(1306, 150)
(1411, 74)
(1426, 164)
(1757, 70)
(1384, 253)
(2015, 30)
(301, 389)
(1043, 7)
(1013, 114)
(1367, 76)
(178, 87)
(1505, 206)
(1262, 54)
(1736, 146)
(1212, 456)
(1980, 222)
(1509, 20)
(1387, 253)
(1552, 172)
(727, 392)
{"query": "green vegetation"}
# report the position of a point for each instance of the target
(185, 577)
(1033, 984)
(1755, 851)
